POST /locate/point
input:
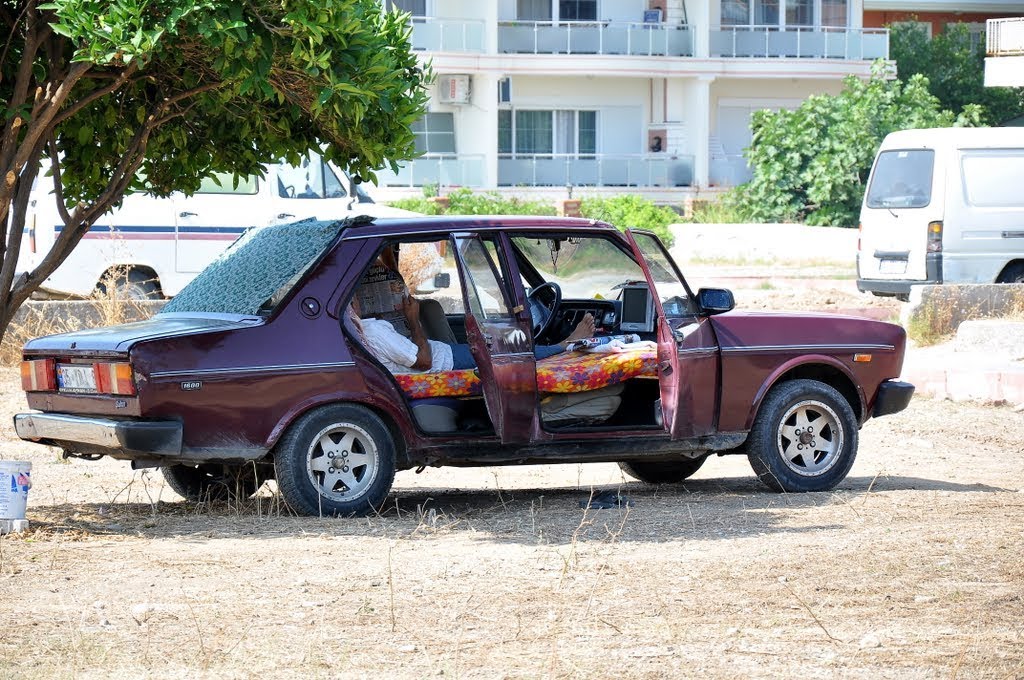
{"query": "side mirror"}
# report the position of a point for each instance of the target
(715, 300)
(442, 280)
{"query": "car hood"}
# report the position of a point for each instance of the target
(807, 330)
(119, 339)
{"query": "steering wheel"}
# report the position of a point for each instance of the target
(544, 301)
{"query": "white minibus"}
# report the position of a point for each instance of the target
(943, 205)
(151, 247)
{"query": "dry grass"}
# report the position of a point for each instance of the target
(937, 319)
(103, 308)
(910, 569)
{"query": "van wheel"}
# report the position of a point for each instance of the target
(135, 284)
(662, 472)
(804, 437)
(336, 460)
(1014, 273)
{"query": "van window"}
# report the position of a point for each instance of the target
(312, 178)
(991, 177)
(227, 183)
(902, 179)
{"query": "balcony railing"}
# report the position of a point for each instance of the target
(440, 169)
(818, 42)
(1004, 37)
(729, 170)
(589, 37)
(601, 170)
(447, 35)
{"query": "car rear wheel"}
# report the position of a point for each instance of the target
(336, 460)
(662, 472)
(804, 437)
(213, 482)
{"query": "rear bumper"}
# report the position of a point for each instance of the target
(933, 275)
(98, 435)
(893, 397)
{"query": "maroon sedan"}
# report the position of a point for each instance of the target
(483, 341)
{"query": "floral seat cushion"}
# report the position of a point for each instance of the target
(562, 373)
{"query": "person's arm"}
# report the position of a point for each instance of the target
(411, 309)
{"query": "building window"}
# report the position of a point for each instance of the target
(417, 8)
(435, 133)
(784, 13)
(834, 13)
(533, 10)
(531, 133)
(577, 10)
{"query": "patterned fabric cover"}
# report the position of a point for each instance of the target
(566, 372)
(582, 372)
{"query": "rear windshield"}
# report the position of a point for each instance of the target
(255, 273)
(902, 179)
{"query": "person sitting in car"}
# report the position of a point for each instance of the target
(420, 354)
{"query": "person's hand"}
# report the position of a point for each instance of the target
(411, 309)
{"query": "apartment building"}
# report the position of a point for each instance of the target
(606, 96)
(1004, 60)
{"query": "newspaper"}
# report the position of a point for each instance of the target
(380, 294)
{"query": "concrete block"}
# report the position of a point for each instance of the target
(936, 311)
(992, 336)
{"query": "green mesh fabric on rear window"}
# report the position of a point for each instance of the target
(257, 270)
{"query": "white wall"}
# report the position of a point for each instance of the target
(458, 9)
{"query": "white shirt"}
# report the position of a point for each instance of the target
(398, 353)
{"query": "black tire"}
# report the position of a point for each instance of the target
(213, 482)
(351, 477)
(804, 437)
(662, 472)
(1013, 273)
(135, 284)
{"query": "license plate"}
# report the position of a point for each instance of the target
(74, 378)
(892, 267)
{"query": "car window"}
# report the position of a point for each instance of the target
(256, 272)
(484, 282)
(587, 267)
(676, 300)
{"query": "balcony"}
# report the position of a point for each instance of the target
(819, 42)
(431, 34)
(588, 37)
(601, 170)
(443, 170)
(1004, 49)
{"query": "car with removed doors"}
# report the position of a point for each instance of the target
(150, 247)
(260, 368)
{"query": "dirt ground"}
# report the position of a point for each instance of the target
(911, 568)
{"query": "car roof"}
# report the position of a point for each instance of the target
(411, 226)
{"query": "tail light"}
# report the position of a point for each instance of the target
(38, 375)
(114, 378)
(935, 237)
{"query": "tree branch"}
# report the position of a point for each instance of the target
(58, 184)
(13, 246)
(96, 94)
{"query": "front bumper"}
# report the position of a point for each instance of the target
(98, 435)
(893, 397)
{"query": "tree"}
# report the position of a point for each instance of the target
(954, 65)
(155, 95)
(811, 164)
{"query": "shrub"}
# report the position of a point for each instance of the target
(631, 211)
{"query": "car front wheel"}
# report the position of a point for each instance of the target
(335, 460)
(804, 437)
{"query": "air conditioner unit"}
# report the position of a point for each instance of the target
(453, 89)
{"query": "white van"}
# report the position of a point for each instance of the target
(943, 205)
(157, 245)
